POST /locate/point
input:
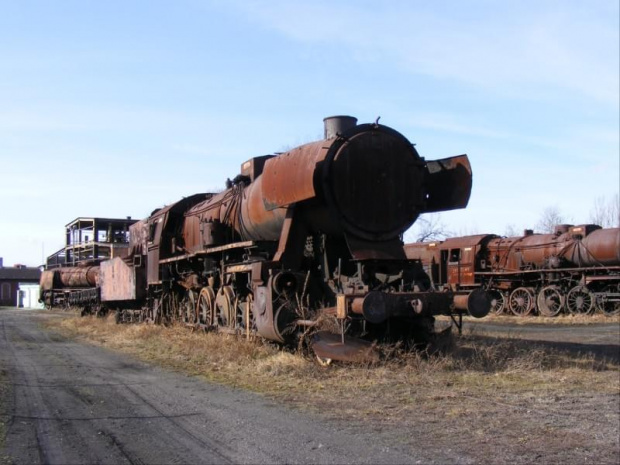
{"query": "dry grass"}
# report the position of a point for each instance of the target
(474, 365)
(596, 318)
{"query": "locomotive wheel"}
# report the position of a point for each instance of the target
(498, 301)
(608, 300)
(284, 319)
(609, 308)
(521, 301)
(550, 301)
(206, 306)
(579, 300)
(226, 304)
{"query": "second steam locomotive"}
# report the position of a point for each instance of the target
(576, 269)
(298, 240)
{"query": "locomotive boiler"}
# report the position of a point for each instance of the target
(299, 241)
(575, 269)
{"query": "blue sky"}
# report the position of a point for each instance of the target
(114, 108)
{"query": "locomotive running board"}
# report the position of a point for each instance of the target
(329, 346)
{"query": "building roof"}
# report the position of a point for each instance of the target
(20, 274)
(101, 221)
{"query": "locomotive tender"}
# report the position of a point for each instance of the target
(304, 237)
(575, 269)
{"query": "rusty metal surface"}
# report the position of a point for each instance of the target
(46, 282)
(599, 248)
(460, 273)
(375, 250)
(465, 241)
(289, 177)
(477, 303)
(329, 346)
(120, 281)
(371, 179)
(453, 261)
(454, 172)
(138, 236)
(78, 276)
(264, 312)
(426, 252)
(377, 306)
(536, 249)
(254, 167)
(256, 222)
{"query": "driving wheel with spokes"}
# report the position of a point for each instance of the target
(607, 306)
(226, 304)
(498, 301)
(206, 306)
(550, 301)
(579, 300)
(521, 301)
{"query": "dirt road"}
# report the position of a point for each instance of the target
(74, 403)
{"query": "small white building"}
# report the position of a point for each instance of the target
(28, 296)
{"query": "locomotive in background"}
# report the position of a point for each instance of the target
(308, 236)
(71, 275)
(575, 270)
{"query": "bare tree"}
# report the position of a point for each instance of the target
(429, 227)
(614, 209)
(550, 217)
(511, 231)
(606, 213)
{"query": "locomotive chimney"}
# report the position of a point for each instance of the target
(335, 125)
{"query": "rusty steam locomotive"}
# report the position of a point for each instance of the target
(296, 239)
(575, 270)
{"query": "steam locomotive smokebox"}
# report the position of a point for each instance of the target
(334, 125)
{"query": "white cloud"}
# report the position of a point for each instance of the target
(507, 48)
